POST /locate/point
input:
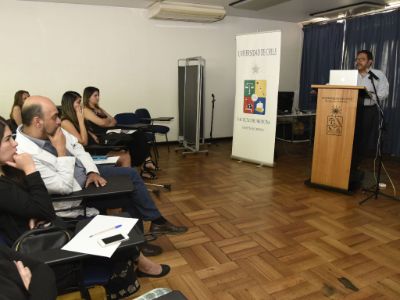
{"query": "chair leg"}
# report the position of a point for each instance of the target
(166, 138)
(155, 151)
(82, 288)
(156, 147)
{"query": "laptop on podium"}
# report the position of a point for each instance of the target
(343, 77)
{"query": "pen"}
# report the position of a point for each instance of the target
(105, 230)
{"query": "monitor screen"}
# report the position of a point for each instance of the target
(285, 102)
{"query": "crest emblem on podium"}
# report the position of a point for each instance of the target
(255, 97)
(334, 124)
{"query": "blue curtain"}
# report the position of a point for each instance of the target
(322, 51)
(380, 34)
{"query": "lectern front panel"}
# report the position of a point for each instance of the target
(334, 135)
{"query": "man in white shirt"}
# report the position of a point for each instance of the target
(364, 63)
(66, 167)
(368, 116)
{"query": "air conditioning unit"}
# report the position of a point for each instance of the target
(349, 10)
(179, 11)
(255, 4)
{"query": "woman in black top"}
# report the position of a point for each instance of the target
(24, 198)
(72, 120)
(22, 278)
(25, 202)
(99, 121)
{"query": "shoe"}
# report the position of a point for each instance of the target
(164, 271)
(167, 228)
(150, 165)
(150, 250)
(147, 174)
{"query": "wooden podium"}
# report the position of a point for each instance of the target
(334, 134)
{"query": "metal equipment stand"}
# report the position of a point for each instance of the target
(191, 106)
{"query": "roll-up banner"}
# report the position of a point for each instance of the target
(257, 82)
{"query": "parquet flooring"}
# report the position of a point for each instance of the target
(260, 233)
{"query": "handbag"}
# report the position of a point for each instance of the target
(41, 239)
(116, 139)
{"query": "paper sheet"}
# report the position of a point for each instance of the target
(109, 160)
(83, 243)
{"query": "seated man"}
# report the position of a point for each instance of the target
(65, 166)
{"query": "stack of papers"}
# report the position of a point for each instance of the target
(83, 243)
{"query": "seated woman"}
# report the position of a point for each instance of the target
(22, 278)
(15, 115)
(98, 122)
(25, 201)
(72, 120)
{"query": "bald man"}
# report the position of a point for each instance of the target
(65, 166)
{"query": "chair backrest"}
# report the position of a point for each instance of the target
(143, 113)
(126, 118)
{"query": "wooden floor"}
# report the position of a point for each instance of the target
(260, 233)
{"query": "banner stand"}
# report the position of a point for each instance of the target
(257, 83)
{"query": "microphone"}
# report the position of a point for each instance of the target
(372, 74)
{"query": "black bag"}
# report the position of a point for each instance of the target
(116, 139)
(41, 239)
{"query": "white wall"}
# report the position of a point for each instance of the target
(48, 48)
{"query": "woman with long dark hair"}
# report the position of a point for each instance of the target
(72, 120)
(15, 115)
(99, 121)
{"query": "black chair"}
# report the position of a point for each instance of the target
(145, 117)
(133, 119)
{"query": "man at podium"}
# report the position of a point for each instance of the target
(368, 115)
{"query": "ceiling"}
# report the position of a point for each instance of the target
(284, 10)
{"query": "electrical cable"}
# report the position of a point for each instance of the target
(378, 152)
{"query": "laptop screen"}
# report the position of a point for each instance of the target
(343, 77)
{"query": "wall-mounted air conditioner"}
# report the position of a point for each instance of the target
(255, 4)
(179, 11)
(349, 10)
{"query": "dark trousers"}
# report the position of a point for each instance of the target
(138, 204)
(139, 149)
(366, 133)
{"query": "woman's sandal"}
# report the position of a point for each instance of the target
(148, 174)
(151, 163)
